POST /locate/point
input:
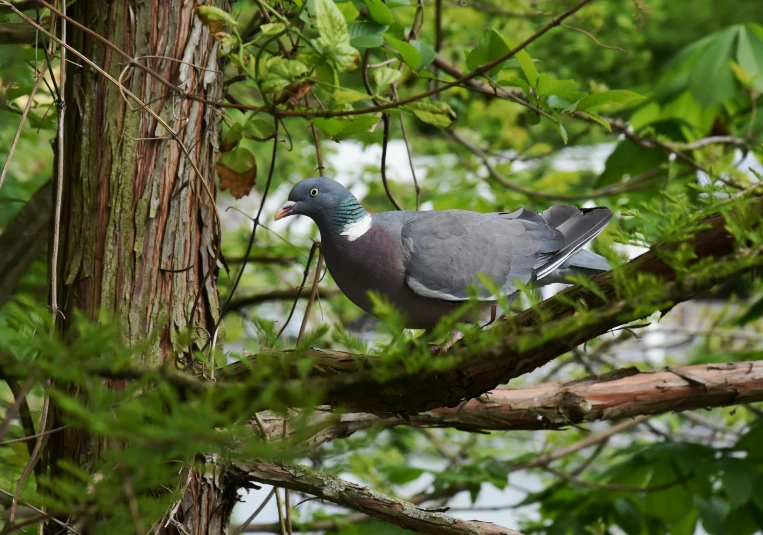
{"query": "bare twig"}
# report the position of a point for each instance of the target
(24, 114)
(313, 296)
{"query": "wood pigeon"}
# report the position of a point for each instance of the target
(426, 263)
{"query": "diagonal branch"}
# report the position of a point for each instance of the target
(361, 499)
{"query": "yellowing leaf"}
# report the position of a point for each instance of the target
(272, 28)
(384, 77)
(280, 73)
(434, 113)
(334, 40)
(214, 16)
(347, 96)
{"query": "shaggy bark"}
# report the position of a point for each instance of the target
(138, 236)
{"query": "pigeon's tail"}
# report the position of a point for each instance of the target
(578, 228)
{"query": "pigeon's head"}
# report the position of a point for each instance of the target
(323, 200)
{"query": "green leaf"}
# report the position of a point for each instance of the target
(280, 73)
(384, 77)
(330, 126)
(711, 79)
(402, 474)
(528, 67)
(272, 28)
(426, 52)
(349, 11)
(379, 11)
(347, 96)
(753, 312)
(491, 47)
(407, 51)
(515, 82)
(749, 56)
(211, 15)
(713, 514)
(737, 482)
(434, 113)
(360, 124)
(560, 127)
(366, 34)
(629, 159)
(334, 40)
(231, 138)
(617, 96)
(258, 129)
(599, 120)
(548, 85)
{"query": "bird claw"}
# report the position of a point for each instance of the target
(439, 349)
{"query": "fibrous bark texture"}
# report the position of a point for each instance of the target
(139, 230)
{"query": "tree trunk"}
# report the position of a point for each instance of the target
(138, 234)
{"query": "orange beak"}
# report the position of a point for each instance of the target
(285, 210)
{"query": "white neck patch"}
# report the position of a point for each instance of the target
(355, 230)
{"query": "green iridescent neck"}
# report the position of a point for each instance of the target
(348, 211)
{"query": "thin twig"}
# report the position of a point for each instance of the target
(240, 529)
(313, 294)
(299, 290)
(24, 114)
(592, 38)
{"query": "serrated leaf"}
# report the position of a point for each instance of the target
(616, 96)
(434, 113)
(334, 41)
(280, 73)
(426, 52)
(272, 28)
(384, 77)
(528, 67)
(407, 51)
(379, 11)
(367, 34)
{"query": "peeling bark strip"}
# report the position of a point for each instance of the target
(483, 368)
(362, 499)
(137, 226)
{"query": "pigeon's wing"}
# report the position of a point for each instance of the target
(446, 250)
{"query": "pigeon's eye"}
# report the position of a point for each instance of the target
(314, 192)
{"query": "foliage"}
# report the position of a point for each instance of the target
(357, 75)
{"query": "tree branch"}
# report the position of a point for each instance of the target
(617, 395)
(362, 499)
